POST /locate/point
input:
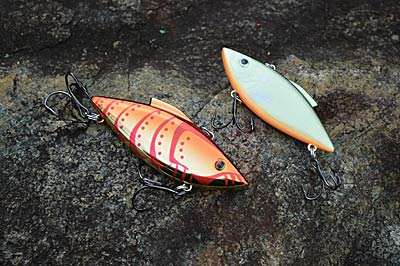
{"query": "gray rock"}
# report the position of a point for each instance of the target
(66, 185)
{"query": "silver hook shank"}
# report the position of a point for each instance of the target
(331, 181)
(83, 110)
(152, 184)
(234, 118)
(50, 95)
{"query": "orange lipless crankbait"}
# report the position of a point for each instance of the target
(163, 137)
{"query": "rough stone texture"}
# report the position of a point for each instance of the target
(65, 185)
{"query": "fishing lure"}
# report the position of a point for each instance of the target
(281, 103)
(163, 137)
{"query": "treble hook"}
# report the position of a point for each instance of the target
(234, 119)
(83, 110)
(332, 181)
(152, 184)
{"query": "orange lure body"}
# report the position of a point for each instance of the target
(165, 138)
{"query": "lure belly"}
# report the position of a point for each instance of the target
(166, 139)
(275, 99)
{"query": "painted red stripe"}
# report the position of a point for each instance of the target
(176, 170)
(132, 139)
(153, 139)
(98, 100)
(107, 107)
(183, 174)
(205, 180)
(119, 116)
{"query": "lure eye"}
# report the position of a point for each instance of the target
(244, 62)
(220, 165)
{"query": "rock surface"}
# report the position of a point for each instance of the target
(66, 185)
